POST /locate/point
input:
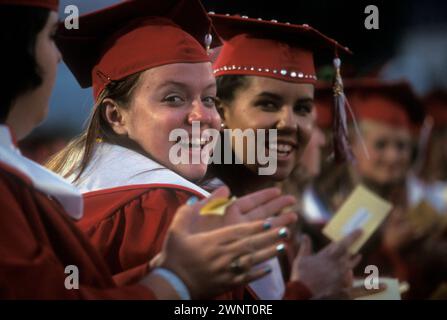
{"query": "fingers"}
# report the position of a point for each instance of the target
(251, 276)
(235, 232)
(249, 245)
(249, 262)
(270, 208)
(183, 218)
(284, 219)
(341, 248)
(189, 212)
(354, 261)
(221, 192)
(255, 199)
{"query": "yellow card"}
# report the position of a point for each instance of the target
(362, 210)
(216, 206)
(391, 292)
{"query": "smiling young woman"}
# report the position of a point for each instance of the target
(151, 75)
(38, 239)
(265, 80)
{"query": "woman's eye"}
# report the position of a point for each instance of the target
(402, 145)
(211, 101)
(267, 105)
(303, 109)
(174, 99)
(380, 145)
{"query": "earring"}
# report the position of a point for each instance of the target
(222, 125)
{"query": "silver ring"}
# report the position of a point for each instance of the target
(235, 267)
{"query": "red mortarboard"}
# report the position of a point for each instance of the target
(435, 104)
(392, 103)
(48, 4)
(134, 36)
(268, 48)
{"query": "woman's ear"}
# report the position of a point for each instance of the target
(223, 109)
(115, 116)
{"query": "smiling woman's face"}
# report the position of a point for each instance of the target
(266, 103)
(389, 151)
(172, 97)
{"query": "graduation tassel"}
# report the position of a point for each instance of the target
(208, 41)
(342, 148)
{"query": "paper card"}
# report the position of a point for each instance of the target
(362, 210)
(391, 291)
(216, 206)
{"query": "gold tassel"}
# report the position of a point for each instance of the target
(342, 147)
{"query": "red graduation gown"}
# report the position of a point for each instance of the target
(38, 240)
(128, 225)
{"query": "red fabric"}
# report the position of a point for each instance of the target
(296, 290)
(128, 227)
(134, 36)
(379, 108)
(48, 4)
(436, 106)
(131, 52)
(271, 56)
(390, 102)
(37, 242)
(270, 49)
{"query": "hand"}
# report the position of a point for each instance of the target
(398, 232)
(327, 274)
(203, 259)
(256, 206)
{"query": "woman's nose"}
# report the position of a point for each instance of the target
(200, 112)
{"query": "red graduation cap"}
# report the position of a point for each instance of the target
(390, 102)
(268, 48)
(134, 36)
(435, 104)
(48, 4)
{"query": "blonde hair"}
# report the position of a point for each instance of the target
(75, 157)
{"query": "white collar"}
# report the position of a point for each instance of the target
(42, 179)
(114, 166)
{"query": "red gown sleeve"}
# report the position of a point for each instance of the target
(128, 227)
(30, 268)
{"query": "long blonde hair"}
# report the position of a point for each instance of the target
(77, 154)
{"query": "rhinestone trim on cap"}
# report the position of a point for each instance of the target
(283, 72)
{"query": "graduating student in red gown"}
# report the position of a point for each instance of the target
(148, 65)
(265, 79)
(38, 239)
